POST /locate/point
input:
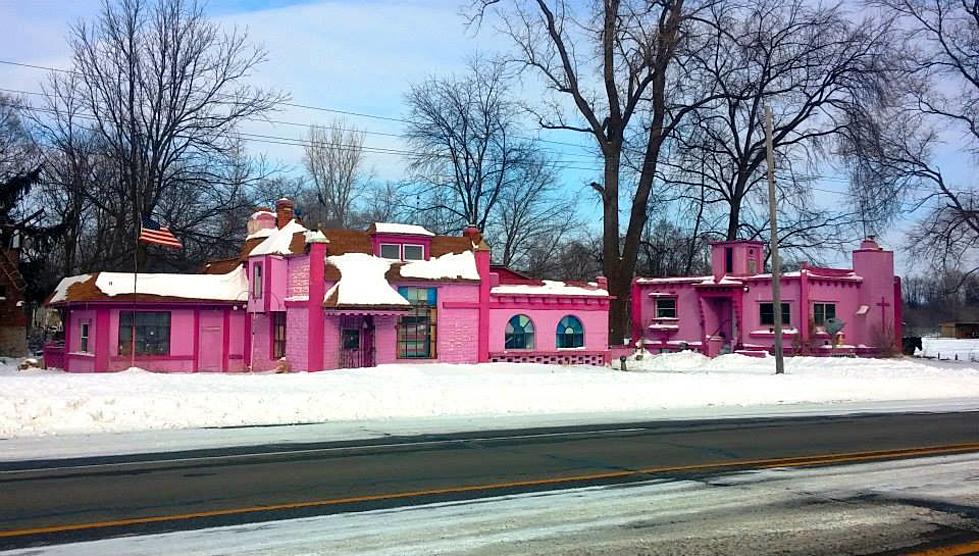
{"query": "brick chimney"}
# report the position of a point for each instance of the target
(473, 233)
(283, 212)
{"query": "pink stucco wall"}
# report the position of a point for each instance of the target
(545, 316)
(182, 333)
(385, 339)
(297, 329)
(709, 305)
(261, 348)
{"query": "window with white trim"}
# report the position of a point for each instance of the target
(666, 308)
(257, 283)
(414, 252)
(391, 251)
(83, 336)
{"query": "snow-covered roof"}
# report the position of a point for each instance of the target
(315, 236)
(548, 287)
(404, 229)
(724, 281)
(279, 240)
(61, 292)
(362, 281)
(451, 266)
(220, 287)
(673, 280)
(260, 233)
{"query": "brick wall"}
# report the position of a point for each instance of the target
(298, 281)
(457, 341)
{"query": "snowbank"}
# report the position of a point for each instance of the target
(950, 348)
(51, 402)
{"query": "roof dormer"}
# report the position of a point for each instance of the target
(401, 242)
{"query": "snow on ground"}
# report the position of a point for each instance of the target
(962, 349)
(864, 508)
(44, 402)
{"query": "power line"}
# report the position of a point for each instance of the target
(292, 141)
(296, 142)
(300, 106)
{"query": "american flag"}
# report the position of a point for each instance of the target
(152, 232)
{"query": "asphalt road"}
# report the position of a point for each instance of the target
(47, 502)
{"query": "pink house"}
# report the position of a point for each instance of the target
(732, 311)
(326, 299)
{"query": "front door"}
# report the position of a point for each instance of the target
(210, 352)
(356, 342)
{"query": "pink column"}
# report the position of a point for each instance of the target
(102, 339)
(317, 290)
(804, 308)
(636, 302)
(246, 357)
(197, 340)
(225, 340)
(483, 266)
(67, 328)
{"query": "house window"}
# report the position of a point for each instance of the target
(519, 333)
(390, 251)
(728, 260)
(414, 252)
(83, 337)
(752, 266)
(278, 334)
(151, 329)
(768, 314)
(666, 308)
(417, 328)
(570, 333)
(257, 281)
(822, 312)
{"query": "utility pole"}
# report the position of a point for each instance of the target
(776, 263)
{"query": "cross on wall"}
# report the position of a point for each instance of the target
(883, 304)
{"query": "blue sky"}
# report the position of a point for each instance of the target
(350, 55)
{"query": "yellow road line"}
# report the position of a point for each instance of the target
(721, 465)
(954, 550)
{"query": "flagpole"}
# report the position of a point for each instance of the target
(132, 322)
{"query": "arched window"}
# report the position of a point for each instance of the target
(519, 333)
(570, 333)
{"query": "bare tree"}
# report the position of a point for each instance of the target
(820, 69)
(530, 214)
(161, 90)
(334, 161)
(464, 131)
(940, 100)
(632, 47)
